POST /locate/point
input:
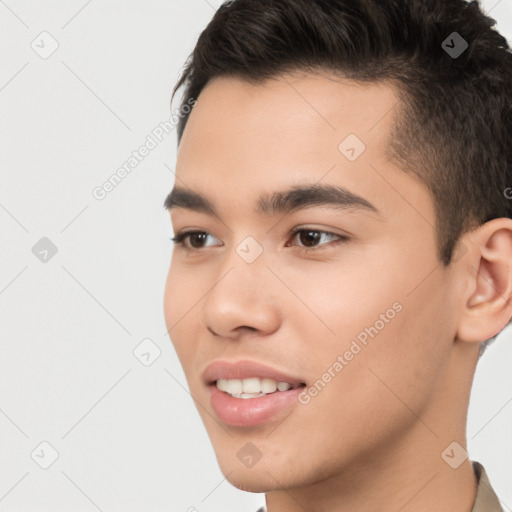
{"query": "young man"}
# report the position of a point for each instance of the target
(342, 218)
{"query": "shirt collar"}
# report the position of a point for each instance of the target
(485, 499)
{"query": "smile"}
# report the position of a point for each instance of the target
(252, 387)
(246, 393)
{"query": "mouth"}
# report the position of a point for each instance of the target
(247, 393)
(254, 387)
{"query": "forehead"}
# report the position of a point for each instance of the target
(286, 119)
(243, 139)
(323, 100)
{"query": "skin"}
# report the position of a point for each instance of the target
(373, 437)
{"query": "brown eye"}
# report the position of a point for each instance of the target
(309, 238)
(196, 239)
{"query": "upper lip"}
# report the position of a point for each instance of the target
(245, 369)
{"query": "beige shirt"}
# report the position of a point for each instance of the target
(485, 499)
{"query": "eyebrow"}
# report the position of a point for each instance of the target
(286, 201)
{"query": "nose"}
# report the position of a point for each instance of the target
(243, 298)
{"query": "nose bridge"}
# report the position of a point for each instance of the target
(244, 270)
(245, 262)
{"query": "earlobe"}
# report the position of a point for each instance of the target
(488, 307)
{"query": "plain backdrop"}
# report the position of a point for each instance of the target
(82, 85)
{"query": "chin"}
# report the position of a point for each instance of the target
(251, 480)
(264, 476)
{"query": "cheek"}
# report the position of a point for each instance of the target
(387, 332)
(179, 301)
(357, 403)
(170, 302)
(337, 301)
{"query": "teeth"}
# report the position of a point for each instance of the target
(251, 387)
(268, 385)
(230, 386)
(283, 386)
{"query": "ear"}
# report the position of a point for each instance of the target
(487, 265)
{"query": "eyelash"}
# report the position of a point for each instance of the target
(180, 238)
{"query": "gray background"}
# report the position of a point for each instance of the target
(128, 436)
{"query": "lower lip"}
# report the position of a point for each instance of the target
(247, 412)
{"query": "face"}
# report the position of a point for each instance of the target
(353, 310)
